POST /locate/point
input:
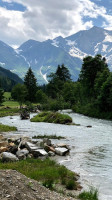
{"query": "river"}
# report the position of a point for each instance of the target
(91, 148)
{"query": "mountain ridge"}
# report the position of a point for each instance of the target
(44, 57)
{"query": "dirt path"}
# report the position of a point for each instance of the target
(15, 186)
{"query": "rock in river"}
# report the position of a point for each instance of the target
(61, 151)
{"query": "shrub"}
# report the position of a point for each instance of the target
(89, 195)
(49, 183)
(71, 185)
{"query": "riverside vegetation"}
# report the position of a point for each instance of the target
(86, 96)
(82, 96)
(52, 117)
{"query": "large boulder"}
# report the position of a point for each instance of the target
(39, 152)
(8, 157)
(63, 145)
(30, 146)
(35, 150)
(61, 151)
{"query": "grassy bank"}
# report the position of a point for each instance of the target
(47, 172)
(52, 117)
(5, 128)
(5, 111)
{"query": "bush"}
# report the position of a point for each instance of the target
(89, 195)
(71, 185)
(49, 183)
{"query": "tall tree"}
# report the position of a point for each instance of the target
(90, 68)
(19, 93)
(1, 95)
(57, 80)
(30, 82)
(63, 73)
(105, 97)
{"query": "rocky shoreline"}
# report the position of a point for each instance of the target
(15, 149)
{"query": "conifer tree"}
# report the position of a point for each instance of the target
(1, 95)
(30, 82)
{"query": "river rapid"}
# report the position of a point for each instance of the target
(91, 148)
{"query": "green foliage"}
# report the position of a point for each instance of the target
(52, 117)
(62, 73)
(47, 172)
(19, 93)
(8, 111)
(94, 89)
(49, 183)
(8, 79)
(105, 96)
(1, 95)
(10, 103)
(89, 195)
(71, 185)
(41, 97)
(5, 128)
(7, 95)
(100, 79)
(30, 83)
(57, 80)
(90, 68)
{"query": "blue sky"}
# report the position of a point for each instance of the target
(21, 20)
(12, 6)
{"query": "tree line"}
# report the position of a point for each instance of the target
(91, 94)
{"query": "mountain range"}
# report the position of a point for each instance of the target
(44, 57)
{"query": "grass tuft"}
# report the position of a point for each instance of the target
(89, 195)
(48, 136)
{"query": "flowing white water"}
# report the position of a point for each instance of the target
(91, 148)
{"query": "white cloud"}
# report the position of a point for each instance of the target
(48, 19)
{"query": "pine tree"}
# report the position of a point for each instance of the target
(63, 73)
(1, 95)
(30, 82)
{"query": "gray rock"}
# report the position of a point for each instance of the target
(50, 153)
(22, 154)
(39, 152)
(61, 151)
(8, 157)
(31, 147)
(47, 141)
(35, 150)
(63, 145)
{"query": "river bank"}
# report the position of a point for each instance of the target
(46, 171)
(14, 185)
(91, 148)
